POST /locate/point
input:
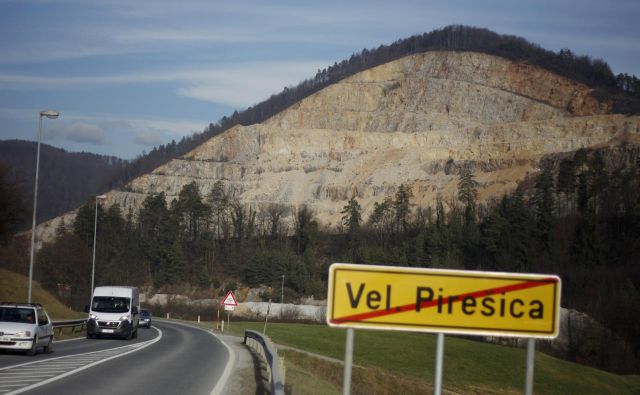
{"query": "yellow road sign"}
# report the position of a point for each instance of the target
(449, 301)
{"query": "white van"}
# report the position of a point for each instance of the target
(114, 311)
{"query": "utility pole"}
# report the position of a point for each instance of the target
(282, 297)
(50, 114)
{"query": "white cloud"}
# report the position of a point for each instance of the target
(140, 27)
(220, 35)
(236, 85)
(99, 129)
(77, 132)
(85, 133)
(243, 85)
(35, 52)
(23, 81)
(148, 138)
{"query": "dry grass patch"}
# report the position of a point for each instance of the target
(365, 380)
(14, 288)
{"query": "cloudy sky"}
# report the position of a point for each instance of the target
(129, 75)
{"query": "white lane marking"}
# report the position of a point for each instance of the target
(217, 390)
(5, 381)
(98, 357)
(22, 375)
(89, 356)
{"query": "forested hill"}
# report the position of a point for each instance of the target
(66, 179)
(622, 90)
(89, 174)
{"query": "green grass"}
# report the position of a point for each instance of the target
(469, 366)
(302, 380)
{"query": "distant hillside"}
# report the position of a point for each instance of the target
(66, 179)
(415, 121)
(622, 90)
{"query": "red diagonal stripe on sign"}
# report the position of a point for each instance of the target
(445, 300)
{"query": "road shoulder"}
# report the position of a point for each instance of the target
(249, 374)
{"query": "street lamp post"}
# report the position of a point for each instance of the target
(95, 232)
(51, 115)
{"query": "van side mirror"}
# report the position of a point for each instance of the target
(86, 308)
(134, 310)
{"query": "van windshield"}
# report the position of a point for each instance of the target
(110, 304)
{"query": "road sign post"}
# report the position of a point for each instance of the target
(266, 318)
(229, 302)
(437, 380)
(444, 301)
(528, 386)
(218, 318)
(348, 362)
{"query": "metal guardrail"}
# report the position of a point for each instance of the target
(76, 325)
(271, 355)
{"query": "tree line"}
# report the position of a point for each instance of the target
(578, 218)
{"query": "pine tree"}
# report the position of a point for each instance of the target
(381, 221)
(219, 203)
(352, 216)
(402, 208)
(303, 223)
(545, 208)
(566, 183)
(192, 213)
(157, 232)
(85, 220)
(468, 193)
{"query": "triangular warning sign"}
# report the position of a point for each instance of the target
(230, 300)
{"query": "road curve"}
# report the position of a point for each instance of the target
(183, 360)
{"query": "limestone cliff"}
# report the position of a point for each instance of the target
(411, 121)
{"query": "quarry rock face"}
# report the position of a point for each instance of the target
(413, 121)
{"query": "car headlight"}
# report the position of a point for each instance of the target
(23, 334)
(93, 317)
(126, 317)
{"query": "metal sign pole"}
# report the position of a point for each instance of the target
(531, 346)
(218, 319)
(266, 318)
(437, 386)
(348, 362)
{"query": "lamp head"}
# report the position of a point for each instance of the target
(51, 114)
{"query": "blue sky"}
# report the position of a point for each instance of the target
(130, 75)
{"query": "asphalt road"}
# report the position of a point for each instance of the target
(169, 358)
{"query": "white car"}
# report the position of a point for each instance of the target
(25, 327)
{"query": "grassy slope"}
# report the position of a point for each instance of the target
(469, 366)
(14, 288)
